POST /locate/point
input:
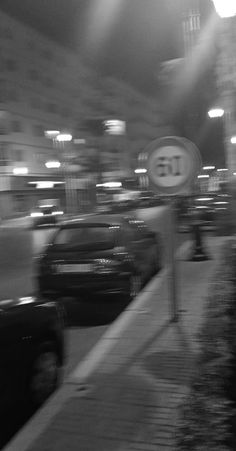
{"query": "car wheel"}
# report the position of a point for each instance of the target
(135, 284)
(44, 375)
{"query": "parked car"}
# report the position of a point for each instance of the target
(45, 215)
(146, 199)
(101, 256)
(31, 350)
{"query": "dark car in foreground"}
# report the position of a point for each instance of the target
(31, 350)
(99, 256)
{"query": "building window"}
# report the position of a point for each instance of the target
(31, 45)
(11, 65)
(52, 108)
(65, 112)
(3, 90)
(3, 154)
(38, 130)
(47, 54)
(7, 33)
(47, 82)
(20, 203)
(33, 74)
(35, 103)
(12, 95)
(40, 157)
(4, 123)
(16, 126)
(18, 155)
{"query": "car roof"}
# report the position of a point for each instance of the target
(105, 219)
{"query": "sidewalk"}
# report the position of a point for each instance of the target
(125, 394)
(21, 222)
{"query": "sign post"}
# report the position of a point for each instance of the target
(173, 163)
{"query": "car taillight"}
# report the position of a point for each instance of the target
(105, 266)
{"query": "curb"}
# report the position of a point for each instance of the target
(38, 423)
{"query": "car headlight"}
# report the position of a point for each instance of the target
(36, 214)
(58, 212)
(106, 266)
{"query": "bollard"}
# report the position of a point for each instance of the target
(199, 253)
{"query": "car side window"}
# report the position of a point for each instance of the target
(127, 234)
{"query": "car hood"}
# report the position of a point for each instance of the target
(7, 304)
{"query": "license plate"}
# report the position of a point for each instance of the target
(73, 268)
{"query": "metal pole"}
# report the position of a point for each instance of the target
(174, 304)
(65, 176)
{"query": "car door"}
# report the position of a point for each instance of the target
(143, 248)
(135, 246)
(11, 368)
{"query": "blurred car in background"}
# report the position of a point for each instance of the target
(125, 200)
(206, 209)
(100, 256)
(211, 209)
(45, 215)
(148, 199)
(31, 350)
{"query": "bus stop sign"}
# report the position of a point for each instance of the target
(173, 163)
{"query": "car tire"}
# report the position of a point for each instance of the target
(135, 285)
(44, 374)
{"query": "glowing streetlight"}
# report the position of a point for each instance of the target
(140, 171)
(225, 8)
(208, 168)
(53, 164)
(51, 134)
(233, 140)
(115, 127)
(112, 184)
(203, 176)
(216, 112)
(20, 171)
(64, 137)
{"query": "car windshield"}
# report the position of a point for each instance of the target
(86, 236)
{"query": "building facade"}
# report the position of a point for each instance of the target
(44, 86)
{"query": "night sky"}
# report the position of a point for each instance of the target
(127, 39)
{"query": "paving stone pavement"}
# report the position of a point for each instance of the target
(130, 403)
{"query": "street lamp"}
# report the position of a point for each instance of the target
(140, 171)
(52, 134)
(59, 139)
(20, 171)
(216, 112)
(208, 168)
(225, 8)
(63, 137)
(53, 164)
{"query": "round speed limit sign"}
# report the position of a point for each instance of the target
(173, 163)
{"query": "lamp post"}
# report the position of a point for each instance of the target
(226, 9)
(226, 72)
(59, 139)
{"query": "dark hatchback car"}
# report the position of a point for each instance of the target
(101, 256)
(31, 350)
